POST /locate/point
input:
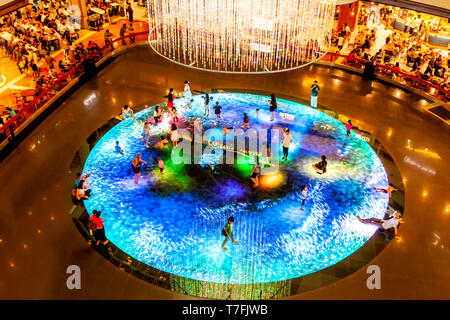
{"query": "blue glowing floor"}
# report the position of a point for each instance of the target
(174, 222)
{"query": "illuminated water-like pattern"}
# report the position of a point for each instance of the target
(173, 222)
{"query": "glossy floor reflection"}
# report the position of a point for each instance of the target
(39, 240)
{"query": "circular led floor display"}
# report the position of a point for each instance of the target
(173, 221)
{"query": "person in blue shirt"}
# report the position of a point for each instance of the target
(117, 148)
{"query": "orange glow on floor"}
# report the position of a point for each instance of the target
(271, 181)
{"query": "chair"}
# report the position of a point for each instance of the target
(74, 36)
(19, 98)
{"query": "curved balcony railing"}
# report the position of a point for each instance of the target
(30, 108)
(397, 75)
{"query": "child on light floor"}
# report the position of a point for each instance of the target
(174, 134)
(227, 231)
(117, 148)
(304, 196)
(246, 122)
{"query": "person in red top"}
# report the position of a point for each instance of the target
(348, 126)
(99, 230)
(170, 99)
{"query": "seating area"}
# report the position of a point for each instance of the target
(399, 55)
(45, 45)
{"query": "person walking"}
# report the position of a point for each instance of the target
(130, 12)
(122, 34)
(314, 94)
(246, 123)
(217, 110)
(348, 126)
(187, 91)
(304, 196)
(136, 167)
(273, 106)
(287, 140)
(146, 134)
(207, 100)
(254, 175)
(227, 231)
(170, 99)
(174, 137)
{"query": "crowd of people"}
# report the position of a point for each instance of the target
(82, 186)
(30, 35)
(400, 50)
(40, 39)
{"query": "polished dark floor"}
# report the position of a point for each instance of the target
(39, 240)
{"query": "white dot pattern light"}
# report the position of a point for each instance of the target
(241, 35)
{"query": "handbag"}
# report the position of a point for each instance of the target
(92, 226)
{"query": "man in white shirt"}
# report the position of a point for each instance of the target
(76, 27)
(287, 139)
(62, 28)
(385, 225)
(340, 43)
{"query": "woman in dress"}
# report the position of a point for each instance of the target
(207, 100)
(157, 113)
(174, 134)
(187, 93)
(254, 175)
(174, 115)
(147, 130)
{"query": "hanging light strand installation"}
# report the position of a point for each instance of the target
(242, 35)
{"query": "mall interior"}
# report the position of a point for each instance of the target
(223, 149)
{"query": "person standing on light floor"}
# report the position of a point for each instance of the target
(348, 127)
(273, 106)
(287, 140)
(254, 175)
(187, 91)
(227, 231)
(314, 94)
(136, 167)
(217, 110)
(207, 100)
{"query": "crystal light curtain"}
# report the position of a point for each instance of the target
(241, 35)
